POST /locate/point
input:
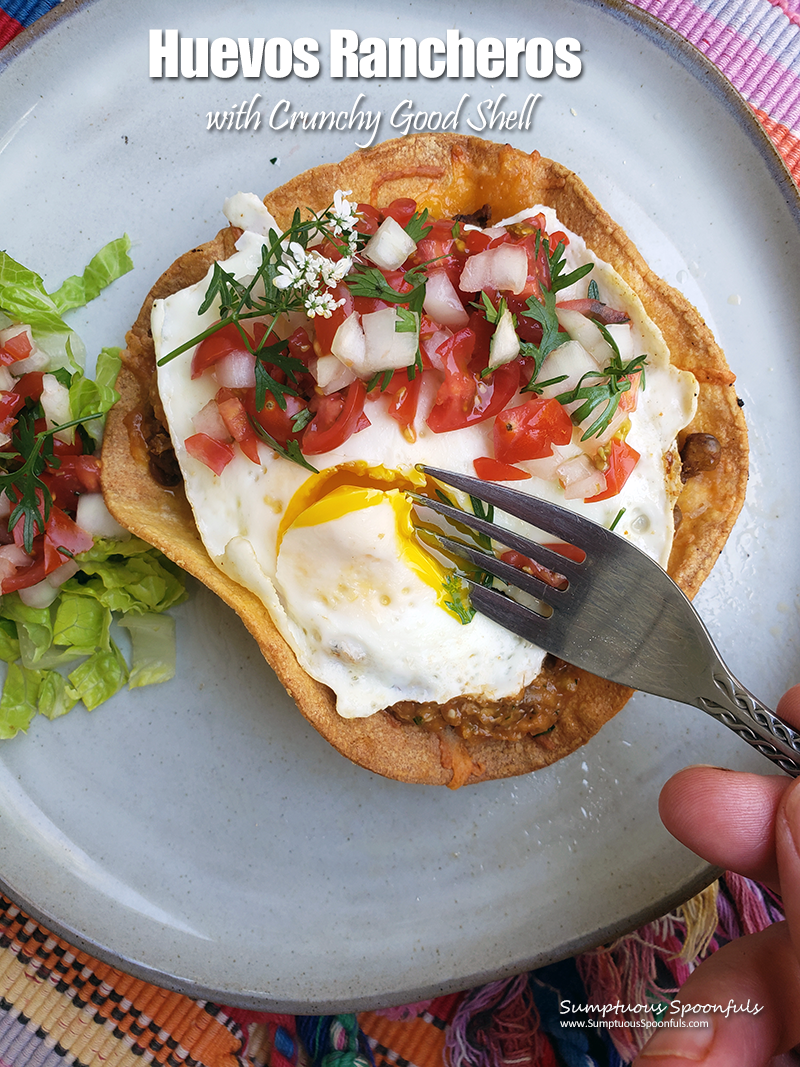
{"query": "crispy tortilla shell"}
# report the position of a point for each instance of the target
(449, 174)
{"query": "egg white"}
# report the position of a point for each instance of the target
(342, 592)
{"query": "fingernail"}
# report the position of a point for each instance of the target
(792, 810)
(685, 1043)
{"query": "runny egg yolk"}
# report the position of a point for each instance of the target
(343, 491)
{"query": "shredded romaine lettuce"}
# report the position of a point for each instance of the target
(65, 653)
(23, 298)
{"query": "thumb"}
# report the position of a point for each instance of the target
(787, 851)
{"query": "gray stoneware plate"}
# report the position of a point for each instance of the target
(201, 834)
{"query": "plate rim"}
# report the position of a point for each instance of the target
(706, 73)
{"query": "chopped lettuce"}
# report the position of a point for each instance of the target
(65, 653)
(110, 263)
(93, 396)
(23, 298)
(124, 582)
(153, 651)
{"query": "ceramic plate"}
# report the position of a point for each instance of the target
(200, 834)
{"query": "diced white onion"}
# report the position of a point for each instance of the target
(504, 268)
(40, 595)
(55, 403)
(7, 568)
(332, 375)
(592, 444)
(209, 421)
(587, 333)
(248, 212)
(93, 516)
(237, 370)
(15, 555)
(547, 467)
(386, 349)
(67, 570)
(349, 344)
(580, 478)
(390, 245)
(504, 345)
(442, 301)
(430, 345)
(7, 382)
(623, 339)
(570, 360)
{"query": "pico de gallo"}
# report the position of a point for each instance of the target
(67, 568)
(452, 322)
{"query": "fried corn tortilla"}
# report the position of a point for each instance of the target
(449, 174)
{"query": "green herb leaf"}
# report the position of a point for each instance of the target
(416, 227)
(559, 280)
(606, 392)
(290, 451)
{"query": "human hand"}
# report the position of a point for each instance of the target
(748, 824)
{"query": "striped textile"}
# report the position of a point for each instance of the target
(756, 45)
(59, 1007)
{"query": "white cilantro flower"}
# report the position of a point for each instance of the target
(291, 272)
(321, 304)
(332, 273)
(342, 215)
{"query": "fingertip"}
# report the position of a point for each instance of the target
(727, 817)
(789, 706)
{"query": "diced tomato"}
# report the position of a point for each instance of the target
(476, 241)
(68, 448)
(237, 424)
(622, 460)
(627, 400)
(492, 470)
(25, 577)
(338, 417)
(74, 475)
(464, 397)
(528, 328)
(594, 309)
(214, 347)
(62, 532)
(566, 550)
(538, 266)
(439, 248)
(369, 218)
(10, 403)
(300, 345)
(530, 566)
(325, 329)
(215, 454)
(400, 210)
(530, 430)
(30, 385)
(278, 422)
(404, 393)
(16, 348)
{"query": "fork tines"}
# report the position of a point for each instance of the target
(545, 516)
(549, 518)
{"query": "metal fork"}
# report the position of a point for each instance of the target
(618, 615)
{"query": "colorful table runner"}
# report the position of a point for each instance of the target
(60, 1006)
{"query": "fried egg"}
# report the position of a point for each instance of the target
(334, 556)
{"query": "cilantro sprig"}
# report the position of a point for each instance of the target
(543, 309)
(614, 380)
(291, 277)
(21, 481)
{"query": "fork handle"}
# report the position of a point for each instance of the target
(740, 711)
